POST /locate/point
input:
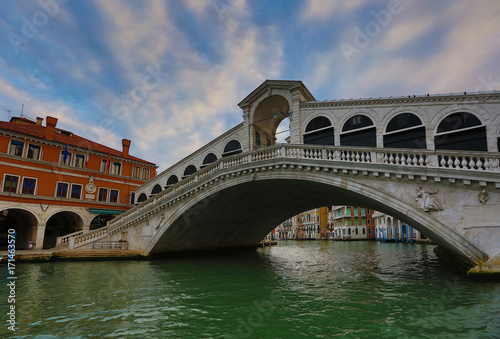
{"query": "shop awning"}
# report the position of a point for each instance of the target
(102, 211)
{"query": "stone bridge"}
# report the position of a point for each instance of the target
(430, 161)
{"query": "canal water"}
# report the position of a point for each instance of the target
(315, 289)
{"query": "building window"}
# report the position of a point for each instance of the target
(103, 194)
(113, 196)
(319, 131)
(358, 131)
(405, 130)
(79, 160)
(369, 231)
(232, 147)
(132, 198)
(364, 230)
(461, 131)
(257, 139)
(136, 172)
(103, 165)
(76, 191)
(10, 183)
(34, 152)
(62, 190)
(29, 186)
(145, 173)
(68, 158)
(16, 148)
(116, 168)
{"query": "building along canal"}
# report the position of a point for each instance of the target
(293, 290)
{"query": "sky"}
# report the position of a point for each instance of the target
(168, 74)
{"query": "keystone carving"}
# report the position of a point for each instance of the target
(426, 201)
(483, 197)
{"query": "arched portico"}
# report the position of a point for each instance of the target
(60, 224)
(23, 222)
(267, 116)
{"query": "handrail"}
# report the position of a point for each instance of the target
(460, 160)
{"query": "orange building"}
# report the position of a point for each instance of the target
(54, 182)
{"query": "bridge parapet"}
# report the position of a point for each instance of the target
(397, 158)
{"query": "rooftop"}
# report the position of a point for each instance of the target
(35, 129)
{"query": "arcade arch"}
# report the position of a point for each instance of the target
(405, 130)
(172, 180)
(232, 147)
(156, 189)
(60, 224)
(209, 158)
(191, 169)
(267, 116)
(461, 131)
(359, 130)
(23, 222)
(319, 131)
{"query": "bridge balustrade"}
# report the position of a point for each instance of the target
(460, 160)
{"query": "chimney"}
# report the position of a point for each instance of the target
(126, 147)
(50, 123)
(39, 121)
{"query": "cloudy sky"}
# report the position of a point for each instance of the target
(168, 74)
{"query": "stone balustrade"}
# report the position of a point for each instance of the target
(461, 160)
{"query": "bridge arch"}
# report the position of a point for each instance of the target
(232, 147)
(359, 130)
(268, 114)
(405, 130)
(190, 169)
(461, 131)
(156, 189)
(288, 193)
(142, 197)
(209, 158)
(319, 130)
(172, 180)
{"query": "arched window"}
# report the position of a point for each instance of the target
(461, 131)
(405, 130)
(172, 180)
(210, 158)
(142, 197)
(319, 131)
(498, 143)
(191, 169)
(233, 147)
(156, 189)
(358, 131)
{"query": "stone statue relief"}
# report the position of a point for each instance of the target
(426, 201)
(483, 197)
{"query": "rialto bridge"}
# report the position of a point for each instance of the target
(431, 161)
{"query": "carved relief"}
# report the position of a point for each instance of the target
(483, 197)
(426, 201)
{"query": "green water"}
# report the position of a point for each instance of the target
(321, 289)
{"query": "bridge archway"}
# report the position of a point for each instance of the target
(270, 199)
(23, 221)
(267, 116)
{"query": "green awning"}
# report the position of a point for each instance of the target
(101, 211)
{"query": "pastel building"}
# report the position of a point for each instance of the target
(351, 223)
(55, 183)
